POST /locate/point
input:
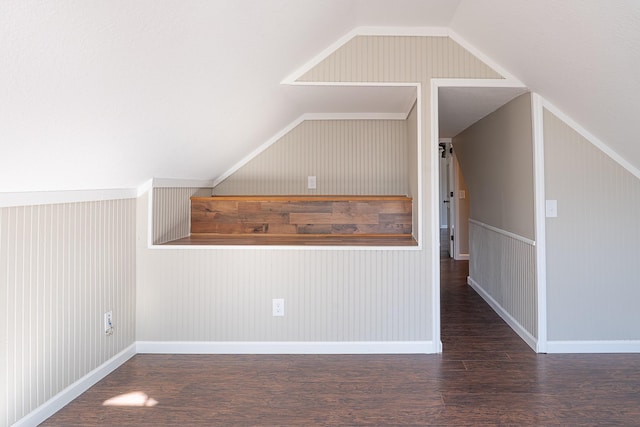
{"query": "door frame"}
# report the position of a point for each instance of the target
(539, 203)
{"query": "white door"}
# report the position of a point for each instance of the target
(449, 200)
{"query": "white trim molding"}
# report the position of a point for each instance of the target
(292, 78)
(482, 57)
(181, 183)
(540, 222)
(511, 321)
(356, 116)
(604, 346)
(436, 84)
(434, 145)
(591, 138)
(320, 116)
(35, 198)
(284, 248)
(268, 143)
(67, 395)
(286, 347)
(503, 232)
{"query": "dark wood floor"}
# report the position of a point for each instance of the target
(486, 376)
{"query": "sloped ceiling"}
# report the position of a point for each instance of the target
(581, 55)
(109, 93)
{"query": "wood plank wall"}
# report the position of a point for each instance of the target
(339, 215)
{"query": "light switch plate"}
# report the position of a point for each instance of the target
(551, 208)
(311, 182)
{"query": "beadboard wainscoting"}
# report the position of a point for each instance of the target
(222, 294)
(172, 212)
(502, 271)
(63, 266)
(355, 157)
(592, 245)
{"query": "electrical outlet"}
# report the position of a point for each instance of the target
(108, 323)
(278, 306)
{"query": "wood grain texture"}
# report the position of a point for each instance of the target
(350, 215)
(486, 376)
(310, 238)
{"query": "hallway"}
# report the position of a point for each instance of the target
(469, 327)
(486, 376)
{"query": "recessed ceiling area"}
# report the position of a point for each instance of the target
(460, 107)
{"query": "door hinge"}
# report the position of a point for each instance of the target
(452, 237)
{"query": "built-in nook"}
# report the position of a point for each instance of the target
(301, 220)
(365, 191)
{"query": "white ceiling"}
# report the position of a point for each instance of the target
(109, 93)
(460, 107)
(581, 55)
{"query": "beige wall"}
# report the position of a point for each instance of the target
(63, 266)
(330, 295)
(496, 157)
(345, 156)
(172, 212)
(225, 295)
(412, 165)
(463, 211)
(592, 246)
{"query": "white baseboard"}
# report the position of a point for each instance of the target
(611, 346)
(285, 347)
(511, 321)
(462, 257)
(63, 398)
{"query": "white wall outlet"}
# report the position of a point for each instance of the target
(462, 194)
(311, 182)
(551, 208)
(108, 323)
(278, 306)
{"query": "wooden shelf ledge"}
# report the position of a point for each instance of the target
(310, 215)
(294, 240)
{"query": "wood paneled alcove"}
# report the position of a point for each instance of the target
(379, 220)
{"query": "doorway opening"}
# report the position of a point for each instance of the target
(472, 235)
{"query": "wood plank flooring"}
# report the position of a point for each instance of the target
(486, 376)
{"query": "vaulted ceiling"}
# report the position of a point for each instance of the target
(109, 93)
